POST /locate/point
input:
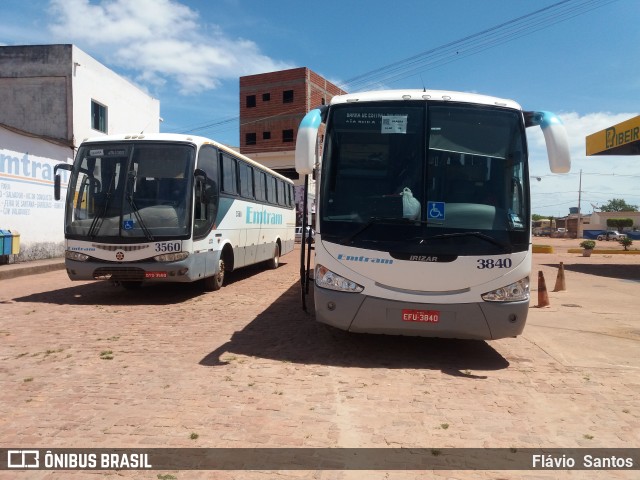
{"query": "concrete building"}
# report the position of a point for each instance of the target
(598, 224)
(591, 225)
(53, 97)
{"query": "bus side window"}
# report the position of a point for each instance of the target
(206, 192)
(246, 180)
(271, 190)
(229, 174)
(260, 181)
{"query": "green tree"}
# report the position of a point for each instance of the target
(619, 223)
(618, 205)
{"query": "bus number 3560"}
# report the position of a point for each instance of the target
(168, 247)
(494, 263)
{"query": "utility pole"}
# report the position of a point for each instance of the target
(579, 223)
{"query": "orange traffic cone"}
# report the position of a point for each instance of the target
(543, 297)
(560, 283)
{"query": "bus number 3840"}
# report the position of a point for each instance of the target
(493, 263)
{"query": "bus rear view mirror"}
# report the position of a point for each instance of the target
(57, 180)
(306, 142)
(555, 137)
(56, 187)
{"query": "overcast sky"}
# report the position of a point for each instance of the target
(578, 58)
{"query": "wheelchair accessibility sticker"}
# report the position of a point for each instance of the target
(435, 210)
(127, 224)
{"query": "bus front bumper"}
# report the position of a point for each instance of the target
(188, 270)
(366, 314)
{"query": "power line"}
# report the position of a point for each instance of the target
(450, 52)
(472, 44)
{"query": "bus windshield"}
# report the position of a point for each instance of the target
(133, 192)
(434, 178)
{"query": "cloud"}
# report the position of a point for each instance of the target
(159, 40)
(604, 177)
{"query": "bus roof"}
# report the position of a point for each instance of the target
(435, 95)
(176, 137)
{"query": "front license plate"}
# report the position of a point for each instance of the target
(428, 316)
(155, 274)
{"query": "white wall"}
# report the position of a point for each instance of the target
(26, 193)
(599, 219)
(129, 109)
(57, 82)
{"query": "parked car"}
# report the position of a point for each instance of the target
(310, 233)
(559, 233)
(611, 235)
(541, 232)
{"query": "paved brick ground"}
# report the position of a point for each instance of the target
(89, 364)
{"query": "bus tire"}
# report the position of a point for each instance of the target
(214, 282)
(275, 261)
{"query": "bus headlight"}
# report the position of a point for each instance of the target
(514, 292)
(325, 278)
(77, 256)
(171, 257)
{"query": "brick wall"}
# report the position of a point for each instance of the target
(278, 102)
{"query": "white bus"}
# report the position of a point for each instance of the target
(171, 208)
(423, 222)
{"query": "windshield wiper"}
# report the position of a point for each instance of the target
(480, 235)
(96, 224)
(377, 220)
(136, 213)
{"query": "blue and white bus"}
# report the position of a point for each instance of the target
(422, 211)
(171, 208)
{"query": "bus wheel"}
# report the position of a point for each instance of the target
(213, 283)
(275, 261)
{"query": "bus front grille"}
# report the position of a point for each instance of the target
(121, 274)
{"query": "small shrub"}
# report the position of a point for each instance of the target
(626, 242)
(588, 244)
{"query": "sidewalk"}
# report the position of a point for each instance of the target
(14, 270)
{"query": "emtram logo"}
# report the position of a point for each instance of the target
(23, 459)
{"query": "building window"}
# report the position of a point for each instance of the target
(250, 139)
(266, 97)
(287, 135)
(287, 96)
(251, 101)
(266, 135)
(98, 117)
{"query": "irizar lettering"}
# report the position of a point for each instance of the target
(422, 258)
